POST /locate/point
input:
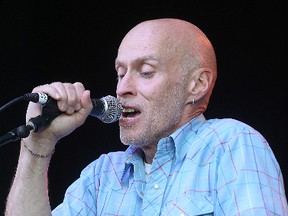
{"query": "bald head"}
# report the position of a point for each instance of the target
(180, 41)
(180, 46)
(180, 38)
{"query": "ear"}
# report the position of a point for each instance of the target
(200, 83)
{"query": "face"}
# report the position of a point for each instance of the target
(150, 87)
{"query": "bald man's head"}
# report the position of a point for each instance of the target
(176, 43)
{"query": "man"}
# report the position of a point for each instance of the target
(177, 162)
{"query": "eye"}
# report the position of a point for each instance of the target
(119, 77)
(147, 74)
(121, 71)
(147, 71)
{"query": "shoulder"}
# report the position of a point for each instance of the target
(108, 159)
(229, 128)
(223, 139)
(224, 124)
(227, 133)
(112, 161)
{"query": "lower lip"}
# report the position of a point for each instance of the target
(125, 122)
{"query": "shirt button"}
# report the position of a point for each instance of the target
(156, 186)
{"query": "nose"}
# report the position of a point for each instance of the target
(126, 85)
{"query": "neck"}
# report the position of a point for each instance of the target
(149, 153)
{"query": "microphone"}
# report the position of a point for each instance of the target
(108, 109)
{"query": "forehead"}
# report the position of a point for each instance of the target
(143, 41)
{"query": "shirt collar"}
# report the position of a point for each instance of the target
(184, 136)
(180, 141)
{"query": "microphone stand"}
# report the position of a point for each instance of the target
(15, 134)
(49, 112)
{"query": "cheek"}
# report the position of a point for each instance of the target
(159, 86)
(152, 91)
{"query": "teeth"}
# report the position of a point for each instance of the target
(128, 110)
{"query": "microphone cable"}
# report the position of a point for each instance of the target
(33, 97)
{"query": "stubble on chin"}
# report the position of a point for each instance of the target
(129, 135)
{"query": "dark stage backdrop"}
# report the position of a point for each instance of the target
(45, 41)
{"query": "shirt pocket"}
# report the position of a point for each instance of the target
(188, 205)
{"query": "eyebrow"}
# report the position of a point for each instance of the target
(142, 59)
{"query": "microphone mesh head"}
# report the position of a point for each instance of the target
(113, 109)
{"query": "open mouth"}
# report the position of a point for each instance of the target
(129, 112)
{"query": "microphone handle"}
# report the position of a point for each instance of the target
(49, 112)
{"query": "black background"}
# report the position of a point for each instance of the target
(46, 41)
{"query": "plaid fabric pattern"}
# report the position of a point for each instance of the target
(214, 167)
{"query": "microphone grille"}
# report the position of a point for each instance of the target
(113, 109)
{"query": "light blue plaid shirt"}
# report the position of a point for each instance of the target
(219, 166)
